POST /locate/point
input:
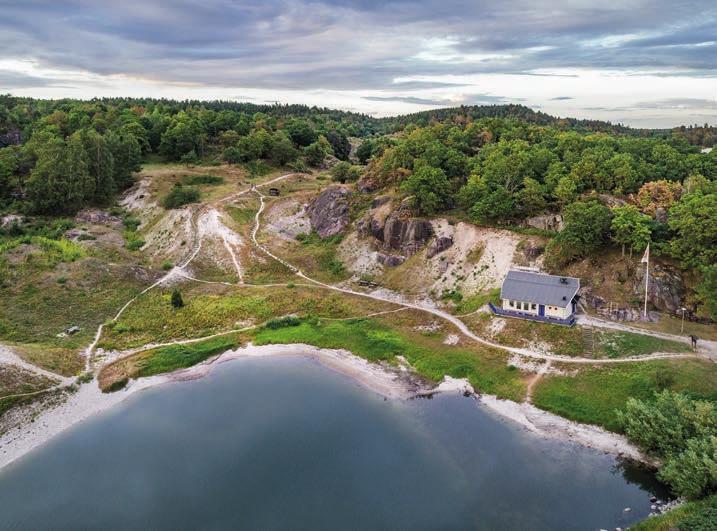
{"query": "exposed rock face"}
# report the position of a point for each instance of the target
(665, 290)
(611, 201)
(406, 235)
(329, 212)
(552, 222)
(97, 216)
(390, 260)
(10, 219)
(11, 137)
(439, 245)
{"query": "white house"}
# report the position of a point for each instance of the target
(539, 296)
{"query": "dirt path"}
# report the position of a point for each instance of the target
(460, 325)
(704, 347)
(8, 357)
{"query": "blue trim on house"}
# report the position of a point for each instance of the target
(570, 321)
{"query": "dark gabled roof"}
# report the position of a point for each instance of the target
(539, 288)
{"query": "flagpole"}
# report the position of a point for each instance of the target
(647, 276)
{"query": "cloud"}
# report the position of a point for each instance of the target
(411, 52)
(10, 79)
(342, 44)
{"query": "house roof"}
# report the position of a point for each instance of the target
(539, 288)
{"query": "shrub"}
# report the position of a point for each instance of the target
(177, 301)
(167, 265)
(180, 196)
(284, 322)
(194, 180)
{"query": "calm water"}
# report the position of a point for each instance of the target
(287, 444)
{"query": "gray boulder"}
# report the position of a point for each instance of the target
(666, 289)
(553, 222)
(329, 212)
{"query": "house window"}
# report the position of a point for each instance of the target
(533, 306)
(511, 304)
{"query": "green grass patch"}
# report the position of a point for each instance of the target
(54, 251)
(625, 344)
(320, 255)
(205, 179)
(368, 338)
(477, 300)
(180, 196)
(243, 216)
(595, 393)
(699, 515)
(167, 359)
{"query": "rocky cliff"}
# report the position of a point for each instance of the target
(329, 212)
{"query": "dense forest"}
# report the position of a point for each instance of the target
(498, 164)
(622, 190)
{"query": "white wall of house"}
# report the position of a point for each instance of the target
(532, 308)
(520, 306)
(557, 311)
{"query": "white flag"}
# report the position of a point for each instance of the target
(646, 256)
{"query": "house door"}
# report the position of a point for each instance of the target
(541, 310)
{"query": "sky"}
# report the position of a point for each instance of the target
(641, 63)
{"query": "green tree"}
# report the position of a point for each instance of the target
(680, 432)
(190, 158)
(566, 190)
(694, 220)
(318, 151)
(345, 171)
(100, 164)
(531, 198)
(586, 228)
(301, 132)
(693, 472)
(630, 228)
(706, 292)
(60, 181)
(8, 166)
(283, 150)
(176, 299)
(430, 189)
(126, 157)
(497, 205)
(365, 151)
(232, 155)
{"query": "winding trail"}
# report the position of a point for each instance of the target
(455, 321)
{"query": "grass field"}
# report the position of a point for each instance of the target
(487, 369)
(212, 309)
(569, 341)
(163, 360)
(595, 393)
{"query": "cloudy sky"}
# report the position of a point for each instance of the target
(644, 63)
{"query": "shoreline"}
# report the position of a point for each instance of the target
(391, 382)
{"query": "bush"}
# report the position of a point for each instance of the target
(177, 301)
(180, 196)
(284, 322)
(194, 180)
(679, 431)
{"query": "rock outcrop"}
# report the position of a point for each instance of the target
(665, 289)
(553, 222)
(329, 212)
(96, 216)
(440, 244)
(397, 230)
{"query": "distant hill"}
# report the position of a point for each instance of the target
(522, 113)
